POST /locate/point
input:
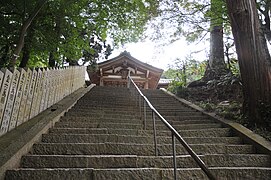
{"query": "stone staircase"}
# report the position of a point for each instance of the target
(102, 137)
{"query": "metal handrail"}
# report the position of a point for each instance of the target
(174, 133)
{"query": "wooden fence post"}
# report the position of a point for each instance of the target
(10, 102)
(14, 121)
(24, 96)
(1, 81)
(4, 96)
(40, 92)
(43, 104)
(24, 93)
(36, 89)
(30, 95)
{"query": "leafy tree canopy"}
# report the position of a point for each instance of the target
(190, 18)
(65, 30)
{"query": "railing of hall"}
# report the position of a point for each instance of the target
(24, 93)
(143, 103)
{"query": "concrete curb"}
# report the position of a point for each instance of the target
(260, 143)
(19, 141)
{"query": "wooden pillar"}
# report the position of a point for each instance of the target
(101, 77)
(146, 86)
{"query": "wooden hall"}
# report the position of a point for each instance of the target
(114, 72)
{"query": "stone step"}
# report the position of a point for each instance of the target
(87, 110)
(133, 121)
(133, 126)
(175, 109)
(136, 118)
(133, 161)
(98, 104)
(105, 105)
(184, 113)
(114, 98)
(178, 109)
(134, 149)
(103, 110)
(133, 113)
(180, 118)
(102, 138)
(100, 119)
(212, 132)
(50, 174)
(127, 116)
(119, 116)
(164, 101)
(224, 173)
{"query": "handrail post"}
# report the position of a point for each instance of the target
(129, 80)
(154, 134)
(142, 108)
(135, 98)
(139, 104)
(145, 116)
(174, 155)
(138, 100)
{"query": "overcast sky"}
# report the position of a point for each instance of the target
(163, 56)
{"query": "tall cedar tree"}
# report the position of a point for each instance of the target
(254, 60)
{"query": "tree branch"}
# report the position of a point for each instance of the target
(23, 31)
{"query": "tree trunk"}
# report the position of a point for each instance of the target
(28, 46)
(25, 58)
(216, 66)
(52, 60)
(23, 30)
(254, 60)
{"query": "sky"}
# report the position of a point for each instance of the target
(163, 56)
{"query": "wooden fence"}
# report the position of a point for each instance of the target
(24, 93)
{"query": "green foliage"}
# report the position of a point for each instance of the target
(170, 73)
(183, 73)
(265, 110)
(226, 80)
(187, 70)
(234, 67)
(190, 18)
(264, 132)
(176, 86)
(227, 109)
(65, 28)
(207, 106)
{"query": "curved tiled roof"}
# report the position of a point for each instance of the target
(128, 55)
